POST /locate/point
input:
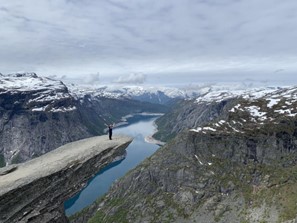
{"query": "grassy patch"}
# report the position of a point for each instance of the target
(119, 216)
(287, 198)
(119, 213)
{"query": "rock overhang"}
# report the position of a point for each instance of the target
(71, 165)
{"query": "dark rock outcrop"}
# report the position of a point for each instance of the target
(36, 190)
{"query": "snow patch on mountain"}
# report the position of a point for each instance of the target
(160, 95)
(273, 102)
(28, 82)
(255, 112)
(257, 107)
(44, 94)
(217, 95)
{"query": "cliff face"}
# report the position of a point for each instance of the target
(209, 106)
(238, 167)
(186, 114)
(35, 191)
(38, 114)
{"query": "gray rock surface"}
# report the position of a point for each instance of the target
(35, 191)
(186, 114)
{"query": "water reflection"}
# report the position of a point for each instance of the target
(140, 126)
(89, 187)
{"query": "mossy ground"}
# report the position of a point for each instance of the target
(119, 216)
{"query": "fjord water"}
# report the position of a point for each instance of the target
(139, 126)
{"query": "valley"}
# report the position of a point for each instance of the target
(233, 159)
(229, 153)
(138, 127)
(148, 111)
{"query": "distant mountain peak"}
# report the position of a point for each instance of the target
(24, 74)
(29, 82)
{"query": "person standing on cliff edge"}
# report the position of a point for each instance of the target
(110, 131)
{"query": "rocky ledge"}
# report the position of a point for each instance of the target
(36, 190)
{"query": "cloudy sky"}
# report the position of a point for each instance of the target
(151, 41)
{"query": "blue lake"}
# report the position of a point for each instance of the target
(139, 126)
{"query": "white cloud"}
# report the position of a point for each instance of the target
(135, 78)
(153, 37)
(91, 79)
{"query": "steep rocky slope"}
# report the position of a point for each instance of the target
(38, 114)
(239, 166)
(213, 102)
(186, 114)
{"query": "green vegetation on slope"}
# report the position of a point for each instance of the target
(2, 161)
(16, 159)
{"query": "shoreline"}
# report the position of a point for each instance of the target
(152, 140)
(149, 139)
(124, 119)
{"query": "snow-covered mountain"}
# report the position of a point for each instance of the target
(157, 95)
(164, 95)
(252, 109)
(28, 82)
(35, 93)
(218, 93)
(260, 105)
(38, 114)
